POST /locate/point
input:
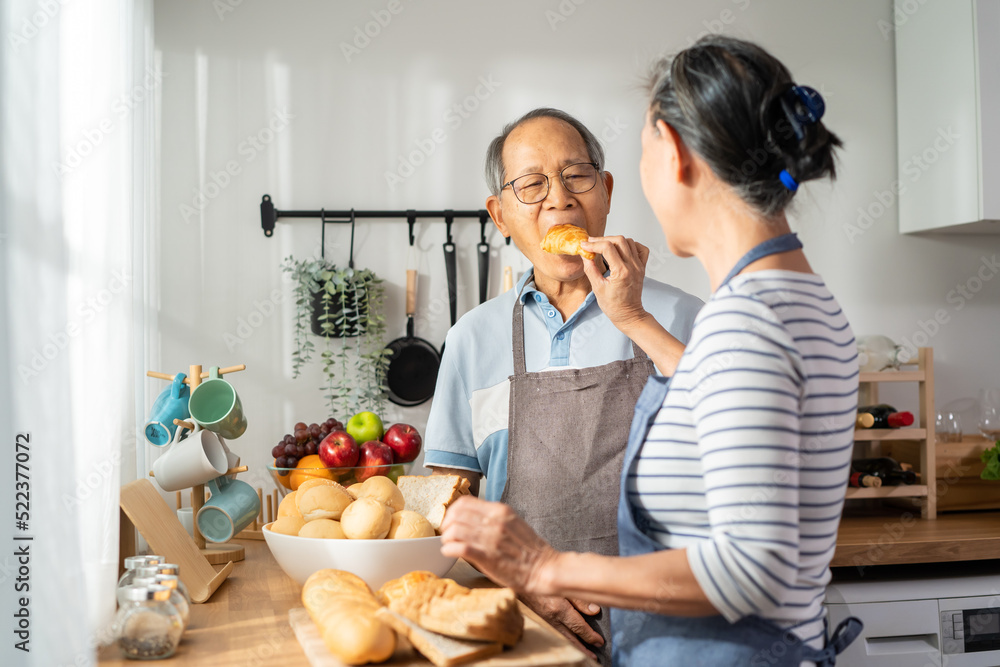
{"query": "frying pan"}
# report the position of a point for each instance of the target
(413, 365)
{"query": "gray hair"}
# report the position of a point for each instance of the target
(496, 174)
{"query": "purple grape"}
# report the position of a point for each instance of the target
(292, 461)
(300, 451)
(314, 431)
(291, 449)
(289, 439)
(277, 450)
(301, 435)
(310, 448)
(281, 462)
(299, 425)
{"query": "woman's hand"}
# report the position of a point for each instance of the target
(499, 543)
(620, 294)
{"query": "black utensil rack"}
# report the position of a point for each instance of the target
(269, 216)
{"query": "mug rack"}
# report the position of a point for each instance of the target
(269, 215)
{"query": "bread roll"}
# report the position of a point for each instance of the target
(366, 519)
(322, 501)
(323, 528)
(314, 482)
(288, 525)
(408, 525)
(353, 489)
(343, 608)
(287, 506)
(383, 490)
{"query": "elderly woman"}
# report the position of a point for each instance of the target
(734, 479)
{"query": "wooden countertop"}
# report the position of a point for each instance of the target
(246, 621)
(894, 538)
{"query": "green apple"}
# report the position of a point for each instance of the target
(365, 426)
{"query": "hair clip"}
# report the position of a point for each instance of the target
(788, 181)
(802, 105)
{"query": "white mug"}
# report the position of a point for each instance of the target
(194, 460)
(186, 516)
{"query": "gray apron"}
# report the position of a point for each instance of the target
(566, 443)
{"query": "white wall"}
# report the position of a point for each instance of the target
(228, 74)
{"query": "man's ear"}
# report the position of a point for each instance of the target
(496, 213)
(609, 185)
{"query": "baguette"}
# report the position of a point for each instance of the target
(441, 650)
(343, 608)
(430, 495)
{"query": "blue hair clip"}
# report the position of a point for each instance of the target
(812, 105)
(788, 181)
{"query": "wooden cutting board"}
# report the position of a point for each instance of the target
(537, 648)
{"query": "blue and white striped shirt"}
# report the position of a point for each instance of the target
(746, 464)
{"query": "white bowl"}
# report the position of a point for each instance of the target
(375, 561)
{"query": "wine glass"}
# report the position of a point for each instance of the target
(948, 426)
(989, 414)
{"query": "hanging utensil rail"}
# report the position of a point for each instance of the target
(269, 216)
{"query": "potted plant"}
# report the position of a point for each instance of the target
(344, 306)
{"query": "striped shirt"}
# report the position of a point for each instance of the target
(746, 463)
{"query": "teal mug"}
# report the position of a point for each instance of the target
(171, 404)
(232, 507)
(215, 405)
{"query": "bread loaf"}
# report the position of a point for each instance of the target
(343, 608)
(430, 495)
(441, 650)
(443, 606)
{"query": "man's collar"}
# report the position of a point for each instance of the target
(526, 291)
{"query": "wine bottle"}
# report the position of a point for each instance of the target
(886, 469)
(864, 480)
(880, 353)
(865, 420)
(886, 416)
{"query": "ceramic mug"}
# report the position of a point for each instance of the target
(197, 459)
(171, 404)
(232, 507)
(185, 516)
(215, 405)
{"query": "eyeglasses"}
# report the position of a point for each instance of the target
(533, 188)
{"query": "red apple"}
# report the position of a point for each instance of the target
(404, 441)
(338, 450)
(376, 459)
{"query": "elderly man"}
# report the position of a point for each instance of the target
(536, 389)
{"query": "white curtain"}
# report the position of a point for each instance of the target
(77, 87)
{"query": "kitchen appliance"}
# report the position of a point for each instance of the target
(944, 614)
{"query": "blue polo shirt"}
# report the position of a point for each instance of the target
(467, 425)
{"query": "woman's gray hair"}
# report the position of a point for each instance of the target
(496, 174)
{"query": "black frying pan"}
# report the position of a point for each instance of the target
(413, 365)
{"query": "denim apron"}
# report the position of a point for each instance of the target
(643, 639)
(567, 432)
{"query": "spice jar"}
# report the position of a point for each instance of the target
(149, 626)
(170, 568)
(133, 563)
(176, 599)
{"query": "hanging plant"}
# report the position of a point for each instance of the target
(341, 304)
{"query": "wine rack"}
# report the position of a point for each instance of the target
(921, 435)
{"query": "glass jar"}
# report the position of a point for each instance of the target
(133, 563)
(176, 599)
(148, 625)
(170, 568)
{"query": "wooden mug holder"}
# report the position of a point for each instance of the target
(144, 509)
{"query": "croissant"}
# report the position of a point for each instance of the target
(565, 240)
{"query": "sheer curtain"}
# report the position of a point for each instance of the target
(77, 86)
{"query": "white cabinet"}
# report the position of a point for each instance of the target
(948, 115)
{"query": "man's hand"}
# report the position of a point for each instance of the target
(619, 294)
(566, 616)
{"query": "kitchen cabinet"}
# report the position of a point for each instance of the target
(948, 124)
(869, 441)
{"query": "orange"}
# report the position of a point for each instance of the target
(284, 480)
(309, 467)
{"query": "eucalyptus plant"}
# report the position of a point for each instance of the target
(347, 303)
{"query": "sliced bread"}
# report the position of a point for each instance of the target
(430, 495)
(441, 650)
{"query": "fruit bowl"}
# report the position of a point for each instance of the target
(288, 479)
(375, 561)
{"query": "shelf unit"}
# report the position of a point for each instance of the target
(922, 435)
